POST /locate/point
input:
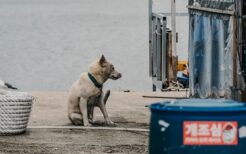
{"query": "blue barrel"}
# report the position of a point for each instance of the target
(196, 126)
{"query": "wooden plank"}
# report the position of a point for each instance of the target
(174, 66)
(228, 12)
(170, 74)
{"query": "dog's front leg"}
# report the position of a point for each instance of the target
(83, 109)
(105, 114)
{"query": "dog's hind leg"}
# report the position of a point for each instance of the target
(106, 96)
(90, 114)
(76, 118)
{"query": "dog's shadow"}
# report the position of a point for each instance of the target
(94, 124)
(99, 124)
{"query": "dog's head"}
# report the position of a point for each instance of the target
(105, 69)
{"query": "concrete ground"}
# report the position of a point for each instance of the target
(49, 130)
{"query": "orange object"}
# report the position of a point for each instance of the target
(182, 65)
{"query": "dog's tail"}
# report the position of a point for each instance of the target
(107, 94)
(10, 86)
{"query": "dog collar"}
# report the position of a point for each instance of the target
(96, 83)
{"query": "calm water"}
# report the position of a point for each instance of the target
(46, 44)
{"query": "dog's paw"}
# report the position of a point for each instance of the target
(87, 125)
(90, 121)
(111, 124)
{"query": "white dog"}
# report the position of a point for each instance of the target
(87, 93)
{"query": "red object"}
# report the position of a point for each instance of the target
(210, 133)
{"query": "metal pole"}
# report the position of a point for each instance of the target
(174, 47)
(173, 20)
(150, 18)
(150, 39)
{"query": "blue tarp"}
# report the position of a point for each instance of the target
(210, 55)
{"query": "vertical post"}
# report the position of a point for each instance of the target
(158, 50)
(164, 50)
(174, 47)
(240, 46)
(150, 39)
(239, 9)
(170, 75)
(173, 22)
(234, 58)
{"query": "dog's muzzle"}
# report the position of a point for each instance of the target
(115, 77)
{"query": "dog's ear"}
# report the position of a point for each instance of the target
(102, 60)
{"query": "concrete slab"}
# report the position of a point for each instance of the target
(74, 141)
(50, 131)
(126, 109)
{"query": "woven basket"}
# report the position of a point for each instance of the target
(15, 109)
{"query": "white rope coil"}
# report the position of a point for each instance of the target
(15, 109)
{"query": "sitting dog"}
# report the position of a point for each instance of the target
(87, 93)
